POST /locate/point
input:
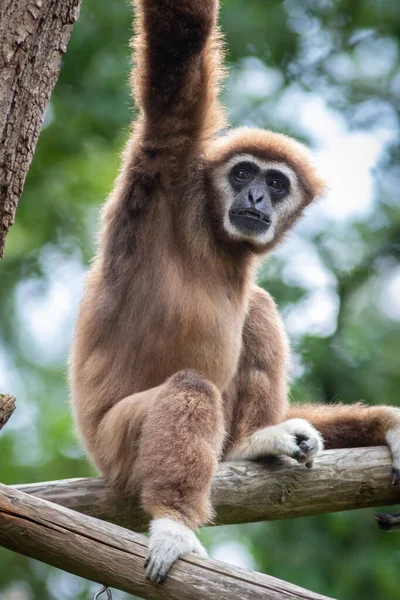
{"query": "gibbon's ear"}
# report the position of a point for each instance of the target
(270, 146)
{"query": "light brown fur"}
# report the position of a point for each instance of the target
(178, 356)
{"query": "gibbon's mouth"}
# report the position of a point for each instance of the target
(249, 221)
(252, 214)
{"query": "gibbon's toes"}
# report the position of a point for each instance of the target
(169, 540)
(393, 441)
(395, 476)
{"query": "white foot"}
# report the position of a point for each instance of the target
(169, 540)
(296, 438)
(393, 441)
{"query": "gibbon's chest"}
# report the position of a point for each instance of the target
(189, 326)
(212, 335)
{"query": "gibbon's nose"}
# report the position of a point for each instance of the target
(255, 196)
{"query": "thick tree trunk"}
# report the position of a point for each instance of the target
(33, 38)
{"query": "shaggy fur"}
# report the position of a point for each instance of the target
(179, 358)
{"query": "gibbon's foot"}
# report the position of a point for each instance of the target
(169, 540)
(296, 438)
(393, 441)
(395, 476)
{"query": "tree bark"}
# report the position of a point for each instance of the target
(247, 491)
(7, 407)
(33, 38)
(115, 556)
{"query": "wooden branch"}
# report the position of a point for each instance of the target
(247, 491)
(115, 556)
(33, 37)
(7, 407)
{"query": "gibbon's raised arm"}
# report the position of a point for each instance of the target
(178, 61)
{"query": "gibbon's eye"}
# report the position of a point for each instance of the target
(242, 175)
(277, 185)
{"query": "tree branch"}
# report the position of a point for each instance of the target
(246, 492)
(115, 556)
(33, 37)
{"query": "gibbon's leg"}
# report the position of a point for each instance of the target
(259, 393)
(350, 426)
(177, 451)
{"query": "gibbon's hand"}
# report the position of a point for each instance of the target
(299, 440)
(295, 438)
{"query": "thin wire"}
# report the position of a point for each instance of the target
(105, 589)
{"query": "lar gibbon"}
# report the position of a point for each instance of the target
(179, 359)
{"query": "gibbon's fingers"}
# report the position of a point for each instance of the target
(169, 540)
(295, 438)
(309, 448)
(308, 439)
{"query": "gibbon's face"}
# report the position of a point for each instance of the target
(259, 196)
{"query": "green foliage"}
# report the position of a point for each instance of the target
(337, 279)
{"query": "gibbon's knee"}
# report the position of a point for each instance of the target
(180, 445)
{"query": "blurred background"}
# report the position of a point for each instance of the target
(324, 71)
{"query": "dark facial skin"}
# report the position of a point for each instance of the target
(255, 192)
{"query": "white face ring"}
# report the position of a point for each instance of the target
(282, 209)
